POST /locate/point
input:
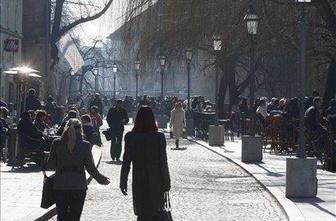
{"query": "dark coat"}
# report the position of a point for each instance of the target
(147, 152)
(117, 118)
(97, 102)
(70, 167)
(33, 103)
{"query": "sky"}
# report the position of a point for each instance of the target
(103, 26)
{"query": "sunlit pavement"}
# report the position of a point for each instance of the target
(205, 186)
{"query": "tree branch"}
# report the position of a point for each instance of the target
(82, 20)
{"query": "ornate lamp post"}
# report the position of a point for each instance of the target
(301, 171)
(95, 73)
(115, 70)
(137, 64)
(302, 24)
(252, 21)
(162, 59)
(217, 45)
(188, 54)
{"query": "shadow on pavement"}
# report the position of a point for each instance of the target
(269, 173)
(179, 149)
(113, 162)
(314, 201)
(25, 169)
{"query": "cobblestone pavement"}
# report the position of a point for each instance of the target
(205, 186)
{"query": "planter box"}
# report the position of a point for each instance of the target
(301, 181)
(251, 149)
(216, 135)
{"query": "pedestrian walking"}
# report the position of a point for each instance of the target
(116, 118)
(97, 122)
(70, 156)
(177, 122)
(145, 148)
(97, 101)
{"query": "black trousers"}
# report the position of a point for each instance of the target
(69, 204)
(116, 140)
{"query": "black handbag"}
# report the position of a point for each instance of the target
(108, 134)
(48, 197)
(165, 213)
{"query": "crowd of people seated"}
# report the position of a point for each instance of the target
(277, 120)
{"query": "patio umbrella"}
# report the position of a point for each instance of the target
(24, 69)
(31, 72)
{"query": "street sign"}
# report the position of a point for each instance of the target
(11, 45)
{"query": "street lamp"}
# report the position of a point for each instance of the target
(162, 59)
(137, 64)
(188, 54)
(252, 21)
(95, 73)
(302, 23)
(115, 70)
(301, 171)
(217, 45)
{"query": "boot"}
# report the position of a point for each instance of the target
(177, 144)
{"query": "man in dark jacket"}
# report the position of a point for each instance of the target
(97, 101)
(313, 125)
(32, 102)
(117, 117)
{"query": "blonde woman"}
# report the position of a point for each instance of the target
(177, 122)
(70, 155)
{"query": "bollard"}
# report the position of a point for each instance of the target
(216, 135)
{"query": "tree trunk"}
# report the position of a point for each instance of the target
(330, 89)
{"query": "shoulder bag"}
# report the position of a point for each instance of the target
(48, 197)
(165, 213)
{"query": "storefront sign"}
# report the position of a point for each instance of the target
(11, 45)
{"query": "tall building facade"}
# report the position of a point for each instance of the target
(36, 35)
(11, 37)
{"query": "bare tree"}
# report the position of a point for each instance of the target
(67, 15)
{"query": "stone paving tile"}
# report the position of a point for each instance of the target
(272, 173)
(205, 186)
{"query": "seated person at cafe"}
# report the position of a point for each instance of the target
(40, 119)
(3, 117)
(28, 133)
(312, 121)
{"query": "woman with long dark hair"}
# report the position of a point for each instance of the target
(145, 148)
(71, 156)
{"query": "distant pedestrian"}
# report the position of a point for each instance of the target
(145, 148)
(88, 130)
(177, 122)
(97, 122)
(97, 101)
(32, 102)
(116, 118)
(70, 156)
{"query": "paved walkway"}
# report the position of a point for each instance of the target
(271, 173)
(205, 186)
(21, 191)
